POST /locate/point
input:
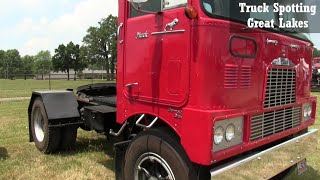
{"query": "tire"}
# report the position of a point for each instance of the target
(68, 137)
(45, 138)
(158, 145)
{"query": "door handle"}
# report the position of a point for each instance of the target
(118, 32)
(131, 85)
(171, 25)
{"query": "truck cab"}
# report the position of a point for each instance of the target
(200, 95)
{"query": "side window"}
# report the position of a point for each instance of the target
(152, 5)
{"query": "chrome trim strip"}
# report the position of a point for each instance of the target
(224, 168)
(168, 32)
(271, 41)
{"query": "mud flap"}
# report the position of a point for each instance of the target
(120, 152)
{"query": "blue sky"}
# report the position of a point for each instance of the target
(316, 40)
(34, 25)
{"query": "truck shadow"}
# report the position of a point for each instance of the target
(3, 153)
(311, 173)
(100, 144)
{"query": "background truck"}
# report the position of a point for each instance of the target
(315, 83)
(198, 95)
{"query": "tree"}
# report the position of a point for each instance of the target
(28, 66)
(316, 52)
(2, 61)
(60, 60)
(77, 63)
(101, 43)
(67, 58)
(43, 62)
(12, 63)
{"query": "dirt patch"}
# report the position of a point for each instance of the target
(14, 99)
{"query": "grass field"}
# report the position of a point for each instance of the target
(19, 159)
(93, 157)
(23, 88)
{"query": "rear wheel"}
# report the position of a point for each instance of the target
(154, 155)
(46, 138)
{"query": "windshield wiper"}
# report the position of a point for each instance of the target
(290, 30)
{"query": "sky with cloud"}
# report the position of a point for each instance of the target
(34, 25)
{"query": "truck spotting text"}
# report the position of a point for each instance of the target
(291, 24)
(277, 8)
(198, 96)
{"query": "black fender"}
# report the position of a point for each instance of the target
(61, 108)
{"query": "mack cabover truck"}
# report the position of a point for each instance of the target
(198, 95)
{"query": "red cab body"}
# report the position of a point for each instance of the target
(209, 70)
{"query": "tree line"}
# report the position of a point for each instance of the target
(98, 52)
(316, 52)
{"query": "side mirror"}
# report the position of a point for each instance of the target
(148, 6)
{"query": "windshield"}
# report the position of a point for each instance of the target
(230, 9)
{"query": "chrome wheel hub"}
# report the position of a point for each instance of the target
(39, 125)
(151, 166)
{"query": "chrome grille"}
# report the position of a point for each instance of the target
(280, 88)
(273, 122)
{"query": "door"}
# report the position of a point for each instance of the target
(157, 54)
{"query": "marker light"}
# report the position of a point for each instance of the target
(191, 11)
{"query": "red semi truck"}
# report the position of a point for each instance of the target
(198, 95)
(315, 82)
(316, 62)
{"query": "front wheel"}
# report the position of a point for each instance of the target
(155, 155)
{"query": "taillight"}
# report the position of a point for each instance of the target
(191, 11)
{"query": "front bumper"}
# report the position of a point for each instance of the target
(270, 162)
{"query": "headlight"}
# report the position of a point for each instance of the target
(218, 135)
(230, 132)
(227, 133)
(307, 111)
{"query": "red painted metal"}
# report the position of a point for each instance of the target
(196, 73)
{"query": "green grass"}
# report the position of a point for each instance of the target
(93, 157)
(314, 160)
(19, 159)
(24, 88)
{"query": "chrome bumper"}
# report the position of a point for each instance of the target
(270, 162)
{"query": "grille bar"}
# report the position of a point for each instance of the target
(267, 124)
(280, 89)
